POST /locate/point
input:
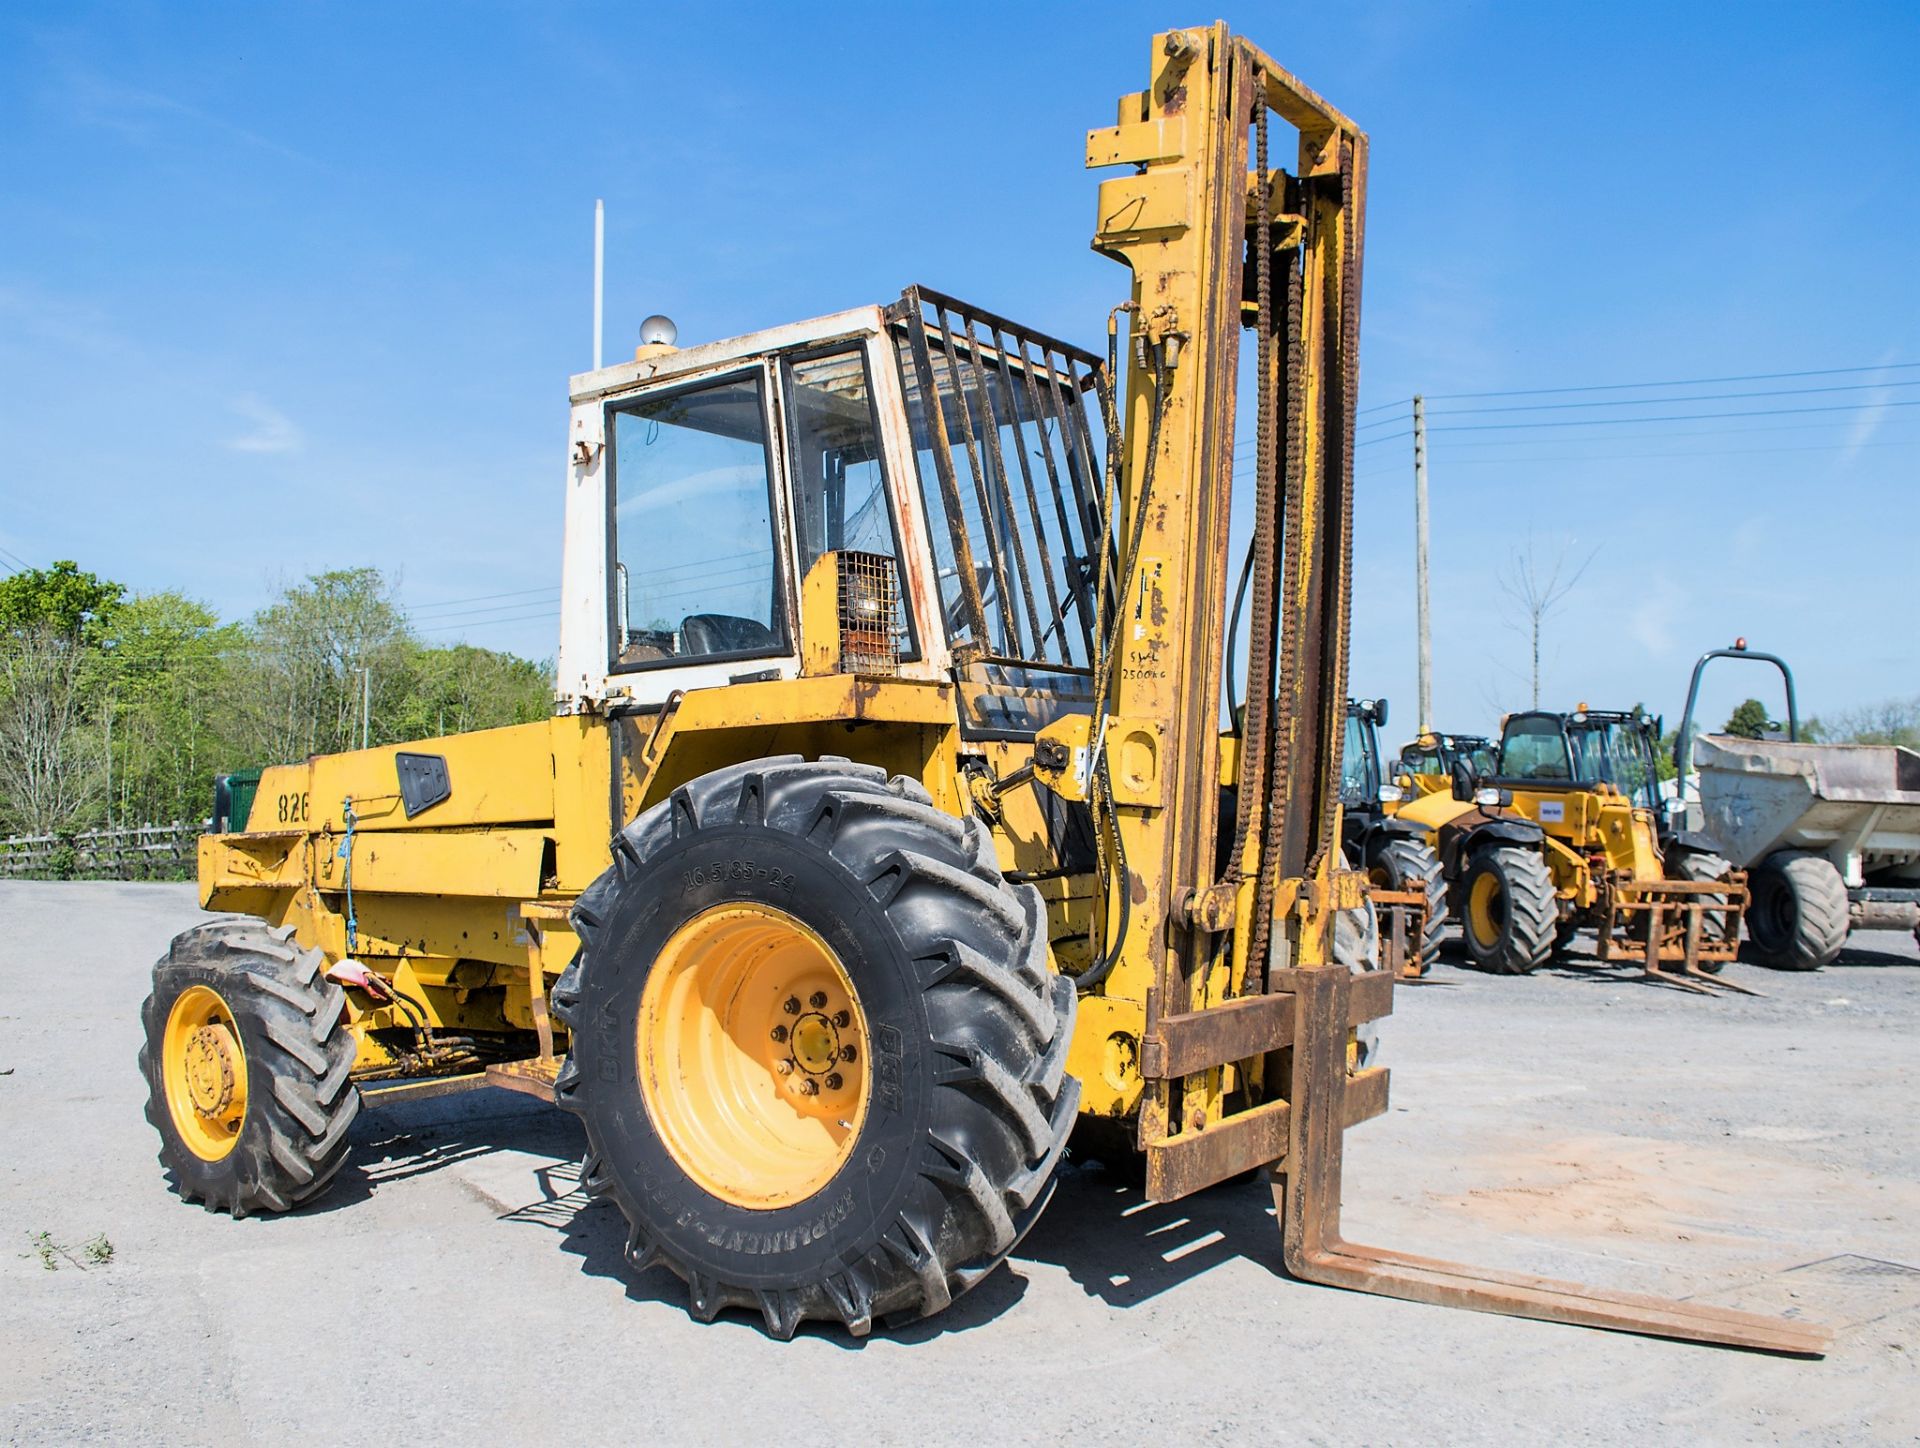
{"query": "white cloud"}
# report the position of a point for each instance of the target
(272, 430)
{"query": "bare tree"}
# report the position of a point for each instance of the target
(1537, 588)
(50, 760)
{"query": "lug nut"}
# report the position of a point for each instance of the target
(817, 999)
(847, 1053)
(834, 1083)
(785, 1068)
(791, 1005)
(843, 1019)
(809, 1087)
(779, 1033)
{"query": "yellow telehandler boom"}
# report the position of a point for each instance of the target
(874, 845)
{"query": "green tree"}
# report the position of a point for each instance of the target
(51, 776)
(1749, 720)
(64, 598)
(460, 688)
(312, 657)
(165, 662)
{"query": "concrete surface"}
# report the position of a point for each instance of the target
(1755, 1153)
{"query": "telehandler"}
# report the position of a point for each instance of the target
(1427, 762)
(890, 660)
(1649, 890)
(1403, 872)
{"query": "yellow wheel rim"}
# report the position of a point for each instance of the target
(1486, 907)
(753, 1056)
(204, 1070)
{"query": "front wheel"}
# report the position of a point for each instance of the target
(1510, 915)
(1408, 865)
(816, 1045)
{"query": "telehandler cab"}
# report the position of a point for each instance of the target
(1427, 762)
(890, 660)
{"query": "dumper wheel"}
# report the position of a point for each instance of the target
(1702, 865)
(1509, 917)
(1797, 915)
(816, 1045)
(1408, 865)
(246, 1059)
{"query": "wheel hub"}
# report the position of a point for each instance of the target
(752, 1052)
(209, 1069)
(203, 1065)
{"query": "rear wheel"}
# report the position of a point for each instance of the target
(1510, 916)
(246, 1060)
(1796, 911)
(816, 1046)
(1408, 865)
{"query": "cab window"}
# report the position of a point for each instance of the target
(1357, 781)
(696, 571)
(1418, 759)
(839, 485)
(1534, 749)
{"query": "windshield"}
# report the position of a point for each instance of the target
(1359, 773)
(1422, 759)
(1479, 756)
(1617, 753)
(1534, 747)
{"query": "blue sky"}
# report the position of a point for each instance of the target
(295, 287)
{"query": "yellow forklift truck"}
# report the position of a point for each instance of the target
(872, 841)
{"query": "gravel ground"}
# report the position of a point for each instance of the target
(1758, 1153)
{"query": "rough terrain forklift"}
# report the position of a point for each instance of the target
(1403, 872)
(890, 663)
(1651, 891)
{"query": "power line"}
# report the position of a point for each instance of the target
(1683, 382)
(545, 613)
(481, 598)
(1672, 417)
(1698, 397)
(1461, 460)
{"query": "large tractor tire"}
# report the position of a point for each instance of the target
(816, 1046)
(1509, 916)
(1703, 866)
(246, 1059)
(1408, 865)
(1355, 943)
(1796, 911)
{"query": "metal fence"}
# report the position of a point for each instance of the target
(134, 852)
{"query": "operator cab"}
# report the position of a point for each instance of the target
(1583, 750)
(1361, 783)
(1434, 755)
(905, 491)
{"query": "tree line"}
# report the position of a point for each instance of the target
(119, 708)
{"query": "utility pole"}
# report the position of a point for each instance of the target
(1420, 560)
(366, 703)
(599, 274)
